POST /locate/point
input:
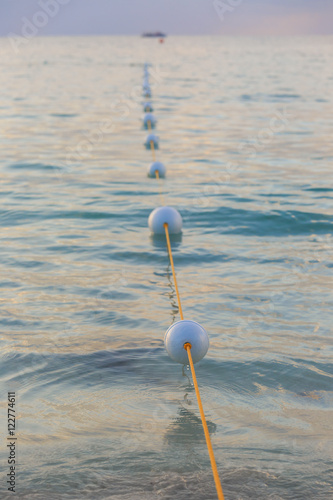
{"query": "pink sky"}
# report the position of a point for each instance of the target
(188, 17)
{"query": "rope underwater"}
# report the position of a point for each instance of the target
(183, 336)
(173, 269)
(218, 485)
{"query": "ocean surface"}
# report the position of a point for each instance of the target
(86, 292)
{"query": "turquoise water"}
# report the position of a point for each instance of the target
(245, 130)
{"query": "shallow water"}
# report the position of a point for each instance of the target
(87, 294)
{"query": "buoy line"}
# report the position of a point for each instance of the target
(185, 341)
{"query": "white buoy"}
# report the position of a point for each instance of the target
(147, 107)
(162, 215)
(182, 332)
(149, 117)
(157, 165)
(149, 138)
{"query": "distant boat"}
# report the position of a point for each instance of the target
(157, 34)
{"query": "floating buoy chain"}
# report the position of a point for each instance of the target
(185, 341)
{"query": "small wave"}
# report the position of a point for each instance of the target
(32, 370)
(34, 166)
(255, 223)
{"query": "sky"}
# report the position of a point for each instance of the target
(175, 17)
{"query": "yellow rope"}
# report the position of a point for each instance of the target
(220, 495)
(173, 269)
(188, 349)
(152, 146)
(157, 174)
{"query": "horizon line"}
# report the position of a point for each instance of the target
(256, 35)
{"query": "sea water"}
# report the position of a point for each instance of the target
(245, 129)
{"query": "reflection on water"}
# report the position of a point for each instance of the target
(187, 429)
(158, 241)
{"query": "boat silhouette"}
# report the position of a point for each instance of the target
(156, 34)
